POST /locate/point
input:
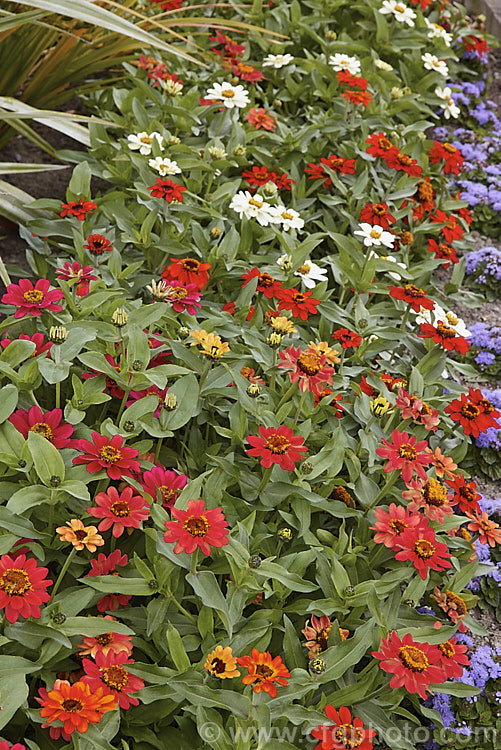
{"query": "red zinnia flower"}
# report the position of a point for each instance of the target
(97, 244)
(465, 494)
(413, 665)
(31, 300)
(277, 445)
(259, 118)
(403, 163)
(75, 705)
(163, 485)
(443, 252)
(344, 734)
(78, 209)
(105, 643)
(357, 97)
(452, 230)
(122, 511)
(414, 296)
(108, 673)
(77, 271)
(247, 73)
(345, 78)
(379, 145)
(22, 587)
(422, 3)
(266, 284)
(37, 338)
(377, 213)
(452, 656)
(111, 455)
(264, 671)
(451, 155)
(445, 336)
(309, 369)
(197, 527)
(258, 176)
(474, 412)
(165, 188)
(391, 524)
(105, 566)
(339, 164)
(48, 425)
(405, 455)
(477, 43)
(347, 338)
(187, 271)
(420, 546)
(301, 304)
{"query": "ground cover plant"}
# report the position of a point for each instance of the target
(235, 511)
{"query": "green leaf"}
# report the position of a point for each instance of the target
(177, 649)
(8, 401)
(47, 459)
(119, 585)
(205, 586)
(92, 626)
(292, 581)
(186, 391)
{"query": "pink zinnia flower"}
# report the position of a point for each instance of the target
(197, 527)
(391, 524)
(309, 368)
(152, 390)
(431, 496)
(37, 338)
(22, 587)
(421, 547)
(106, 642)
(109, 673)
(105, 566)
(183, 297)
(111, 455)
(277, 445)
(76, 271)
(405, 455)
(163, 484)
(122, 511)
(48, 425)
(31, 300)
(414, 665)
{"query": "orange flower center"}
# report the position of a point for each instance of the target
(404, 158)
(287, 216)
(456, 602)
(120, 509)
(468, 492)
(35, 296)
(445, 331)
(445, 249)
(486, 405)
(15, 582)
(178, 292)
(414, 291)
(447, 649)
(116, 677)
(298, 298)
(470, 411)
(435, 493)
(413, 658)
(408, 452)
(145, 139)
(190, 264)
(72, 706)
(304, 268)
(42, 428)
(452, 223)
(309, 363)
(246, 68)
(254, 202)
(264, 672)
(196, 525)
(277, 444)
(336, 163)
(400, 8)
(348, 736)
(449, 148)
(104, 639)
(265, 280)
(384, 144)
(397, 525)
(166, 493)
(109, 455)
(339, 493)
(322, 636)
(425, 191)
(379, 209)
(424, 549)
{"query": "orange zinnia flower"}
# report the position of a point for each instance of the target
(259, 118)
(80, 536)
(221, 663)
(76, 705)
(264, 671)
(489, 531)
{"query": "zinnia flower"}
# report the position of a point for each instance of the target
(108, 673)
(431, 496)
(78, 208)
(317, 634)
(120, 511)
(443, 464)
(22, 587)
(379, 145)
(163, 484)
(345, 733)
(266, 284)
(165, 188)
(277, 61)
(277, 445)
(452, 604)
(97, 244)
(452, 656)
(375, 235)
(339, 61)
(443, 252)
(41, 346)
(80, 536)
(405, 455)
(465, 494)
(48, 425)
(420, 546)
(264, 672)
(444, 335)
(413, 665)
(187, 271)
(231, 96)
(259, 118)
(452, 229)
(76, 705)
(413, 295)
(474, 412)
(111, 455)
(391, 524)
(197, 527)
(210, 344)
(31, 300)
(377, 213)
(105, 643)
(252, 207)
(403, 163)
(106, 565)
(301, 304)
(221, 663)
(309, 369)
(401, 12)
(489, 532)
(347, 338)
(143, 142)
(449, 154)
(75, 270)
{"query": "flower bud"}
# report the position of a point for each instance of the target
(58, 334)
(183, 333)
(269, 189)
(172, 140)
(119, 317)
(217, 153)
(129, 425)
(410, 603)
(396, 93)
(55, 481)
(330, 35)
(171, 88)
(21, 463)
(274, 340)
(306, 467)
(317, 665)
(421, 136)
(285, 534)
(239, 150)
(215, 233)
(255, 561)
(153, 584)
(363, 323)
(286, 264)
(170, 402)
(136, 365)
(350, 591)
(58, 618)
(380, 405)
(277, 103)
(253, 390)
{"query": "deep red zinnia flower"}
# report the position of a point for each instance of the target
(451, 155)
(97, 244)
(379, 145)
(79, 209)
(22, 587)
(120, 511)
(163, 485)
(41, 345)
(452, 230)
(465, 494)
(377, 213)
(111, 455)
(301, 304)
(347, 338)
(403, 163)
(197, 527)
(443, 252)
(31, 300)
(413, 295)
(104, 566)
(266, 284)
(165, 188)
(413, 665)
(109, 673)
(345, 733)
(187, 271)
(452, 657)
(277, 445)
(445, 336)
(420, 546)
(345, 78)
(47, 424)
(258, 176)
(474, 412)
(405, 454)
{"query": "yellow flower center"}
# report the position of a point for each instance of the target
(309, 363)
(42, 428)
(109, 455)
(424, 549)
(400, 8)
(447, 649)
(305, 268)
(348, 736)
(120, 509)
(414, 291)
(407, 451)
(146, 139)
(15, 582)
(435, 493)
(34, 296)
(196, 525)
(376, 233)
(287, 216)
(452, 319)
(116, 677)
(228, 93)
(254, 202)
(413, 658)
(277, 444)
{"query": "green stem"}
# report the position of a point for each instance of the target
(63, 571)
(159, 446)
(122, 405)
(184, 611)
(300, 406)
(287, 395)
(193, 562)
(387, 487)
(58, 395)
(113, 543)
(265, 479)
(405, 319)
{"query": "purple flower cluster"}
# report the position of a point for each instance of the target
(488, 340)
(483, 263)
(493, 508)
(491, 438)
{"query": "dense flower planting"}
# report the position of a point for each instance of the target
(237, 508)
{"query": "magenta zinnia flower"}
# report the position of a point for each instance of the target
(122, 511)
(48, 425)
(105, 566)
(22, 587)
(309, 369)
(37, 338)
(109, 673)
(163, 484)
(31, 300)
(183, 297)
(405, 455)
(197, 527)
(111, 455)
(76, 271)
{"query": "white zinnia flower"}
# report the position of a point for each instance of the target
(310, 273)
(252, 207)
(401, 12)
(277, 61)
(231, 96)
(164, 166)
(436, 31)
(432, 62)
(143, 142)
(395, 275)
(382, 65)
(375, 235)
(287, 217)
(449, 107)
(345, 62)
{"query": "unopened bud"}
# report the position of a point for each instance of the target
(120, 318)
(58, 618)
(286, 264)
(306, 467)
(183, 333)
(253, 390)
(278, 103)
(215, 233)
(269, 189)
(239, 150)
(396, 93)
(274, 340)
(58, 334)
(350, 591)
(55, 481)
(172, 88)
(136, 365)
(363, 323)
(330, 35)
(129, 425)
(255, 561)
(217, 153)
(421, 136)
(170, 402)
(317, 665)
(172, 140)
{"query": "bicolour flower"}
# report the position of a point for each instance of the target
(210, 344)
(108, 673)
(31, 300)
(348, 339)
(339, 61)
(75, 705)
(475, 413)
(443, 252)
(187, 271)
(310, 273)
(449, 107)
(165, 188)
(143, 142)
(104, 566)
(444, 335)
(421, 547)
(430, 496)
(163, 485)
(47, 424)
(79, 209)
(308, 368)
(451, 155)
(22, 587)
(277, 445)
(119, 511)
(489, 532)
(391, 524)
(197, 527)
(97, 244)
(106, 642)
(221, 663)
(164, 166)
(301, 304)
(264, 672)
(182, 297)
(277, 61)
(452, 604)
(413, 665)
(401, 12)
(345, 733)
(405, 454)
(316, 633)
(465, 494)
(413, 295)
(111, 455)
(75, 271)
(258, 118)
(432, 62)
(252, 207)
(452, 658)
(377, 213)
(229, 95)
(374, 235)
(80, 536)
